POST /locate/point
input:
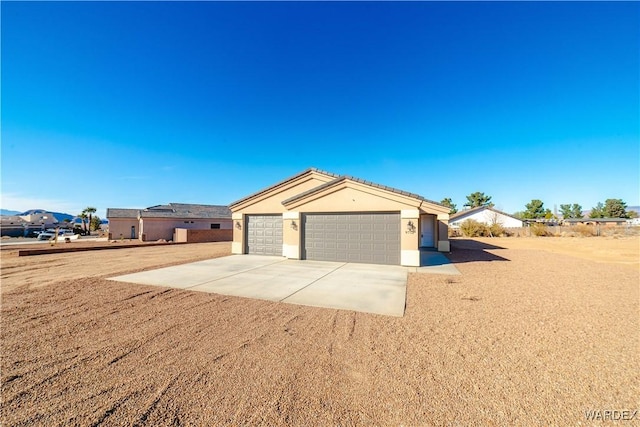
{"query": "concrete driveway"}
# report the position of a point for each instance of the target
(370, 288)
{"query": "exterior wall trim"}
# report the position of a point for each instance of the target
(410, 214)
(410, 258)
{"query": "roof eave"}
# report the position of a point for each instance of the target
(280, 184)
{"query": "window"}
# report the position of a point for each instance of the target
(215, 226)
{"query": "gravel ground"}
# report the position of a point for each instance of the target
(523, 337)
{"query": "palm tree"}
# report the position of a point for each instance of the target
(83, 216)
(89, 211)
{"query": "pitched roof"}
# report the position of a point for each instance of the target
(122, 213)
(173, 210)
(456, 215)
(284, 181)
(362, 181)
(11, 219)
(186, 210)
(596, 220)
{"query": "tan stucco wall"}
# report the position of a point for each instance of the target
(410, 237)
(353, 197)
(121, 227)
(291, 235)
(442, 229)
(181, 235)
(410, 234)
(238, 224)
(163, 228)
(271, 202)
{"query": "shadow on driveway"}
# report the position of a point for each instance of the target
(468, 250)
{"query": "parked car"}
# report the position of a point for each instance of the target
(50, 234)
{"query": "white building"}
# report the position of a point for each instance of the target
(485, 215)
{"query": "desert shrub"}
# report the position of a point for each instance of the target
(472, 228)
(495, 230)
(584, 230)
(538, 229)
(454, 232)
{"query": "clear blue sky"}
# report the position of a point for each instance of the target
(134, 104)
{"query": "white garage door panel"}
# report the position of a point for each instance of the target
(264, 234)
(367, 237)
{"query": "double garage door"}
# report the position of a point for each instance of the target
(372, 238)
(346, 237)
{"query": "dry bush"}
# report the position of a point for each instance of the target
(584, 230)
(496, 230)
(472, 228)
(539, 229)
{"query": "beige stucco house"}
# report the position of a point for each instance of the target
(318, 215)
(163, 221)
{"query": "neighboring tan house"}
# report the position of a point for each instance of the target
(167, 222)
(12, 226)
(485, 215)
(598, 221)
(318, 215)
(28, 223)
(39, 217)
(123, 223)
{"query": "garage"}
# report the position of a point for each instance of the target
(352, 237)
(317, 215)
(264, 234)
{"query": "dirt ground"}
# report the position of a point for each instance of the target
(527, 335)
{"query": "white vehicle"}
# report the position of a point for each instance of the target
(63, 235)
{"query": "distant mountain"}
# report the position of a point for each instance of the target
(8, 212)
(60, 216)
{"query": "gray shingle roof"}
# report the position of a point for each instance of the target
(173, 210)
(577, 220)
(362, 181)
(122, 213)
(264, 190)
(186, 210)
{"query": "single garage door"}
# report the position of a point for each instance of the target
(264, 234)
(362, 237)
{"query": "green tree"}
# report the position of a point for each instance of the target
(88, 211)
(83, 216)
(477, 199)
(597, 211)
(535, 209)
(576, 211)
(571, 211)
(449, 203)
(95, 223)
(615, 208)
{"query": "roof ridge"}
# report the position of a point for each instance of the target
(477, 208)
(279, 183)
(361, 181)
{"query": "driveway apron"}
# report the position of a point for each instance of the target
(379, 289)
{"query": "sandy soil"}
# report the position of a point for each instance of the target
(616, 250)
(524, 337)
(42, 270)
